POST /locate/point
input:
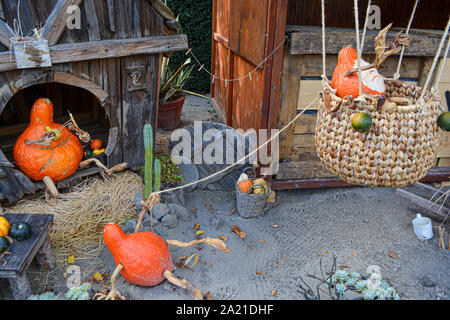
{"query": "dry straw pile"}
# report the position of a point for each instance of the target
(81, 214)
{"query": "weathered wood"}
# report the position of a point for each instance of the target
(302, 170)
(5, 34)
(96, 50)
(308, 40)
(56, 23)
(31, 54)
(290, 89)
(67, 78)
(23, 252)
(44, 257)
(20, 286)
(424, 203)
(92, 21)
(309, 183)
(111, 15)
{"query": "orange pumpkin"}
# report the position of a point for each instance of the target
(371, 81)
(57, 160)
(96, 144)
(245, 185)
(144, 255)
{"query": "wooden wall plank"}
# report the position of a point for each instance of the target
(308, 40)
(302, 170)
(56, 22)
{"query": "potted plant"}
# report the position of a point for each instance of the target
(172, 94)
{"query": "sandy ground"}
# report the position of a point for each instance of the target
(359, 226)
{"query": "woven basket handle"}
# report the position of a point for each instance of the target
(250, 168)
(260, 185)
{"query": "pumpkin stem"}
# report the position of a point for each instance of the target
(195, 293)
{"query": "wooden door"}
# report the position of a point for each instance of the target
(245, 32)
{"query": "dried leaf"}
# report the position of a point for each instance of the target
(236, 229)
(262, 241)
(197, 226)
(199, 233)
(392, 254)
(275, 226)
(242, 235)
(195, 261)
(251, 247)
(182, 258)
(223, 238)
(274, 292)
(208, 296)
(98, 276)
(71, 260)
(325, 251)
(343, 266)
(259, 273)
(189, 259)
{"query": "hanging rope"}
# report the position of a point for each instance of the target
(397, 73)
(358, 46)
(435, 60)
(441, 69)
(324, 53)
(363, 39)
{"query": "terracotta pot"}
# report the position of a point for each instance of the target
(169, 113)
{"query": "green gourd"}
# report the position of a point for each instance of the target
(3, 244)
(20, 231)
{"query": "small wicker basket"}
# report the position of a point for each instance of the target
(250, 205)
(399, 149)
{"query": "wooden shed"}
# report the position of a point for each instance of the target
(105, 72)
(246, 32)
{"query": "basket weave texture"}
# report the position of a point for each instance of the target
(251, 205)
(399, 149)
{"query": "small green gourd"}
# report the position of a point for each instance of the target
(3, 244)
(20, 231)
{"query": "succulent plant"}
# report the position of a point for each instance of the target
(79, 293)
(340, 289)
(340, 275)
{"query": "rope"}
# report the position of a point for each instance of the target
(241, 160)
(363, 39)
(358, 46)
(435, 60)
(324, 53)
(397, 73)
(215, 77)
(441, 68)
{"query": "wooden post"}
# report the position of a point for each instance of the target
(20, 286)
(45, 258)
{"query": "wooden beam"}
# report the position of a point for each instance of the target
(308, 40)
(5, 34)
(436, 208)
(95, 50)
(67, 78)
(436, 174)
(56, 23)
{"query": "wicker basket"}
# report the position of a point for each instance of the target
(399, 149)
(250, 205)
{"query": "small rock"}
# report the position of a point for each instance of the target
(427, 282)
(176, 196)
(170, 221)
(179, 211)
(137, 201)
(159, 210)
(129, 226)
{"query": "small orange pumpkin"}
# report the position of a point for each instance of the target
(245, 185)
(96, 144)
(144, 255)
(371, 81)
(57, 160)
(4, 227)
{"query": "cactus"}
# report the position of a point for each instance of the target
(148, 169)
(157, 186)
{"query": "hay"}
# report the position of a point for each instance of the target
(81, 214)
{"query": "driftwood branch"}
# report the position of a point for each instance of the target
(195, 293)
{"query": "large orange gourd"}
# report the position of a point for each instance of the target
(371, 81)
(144, 255)
(57, 160)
